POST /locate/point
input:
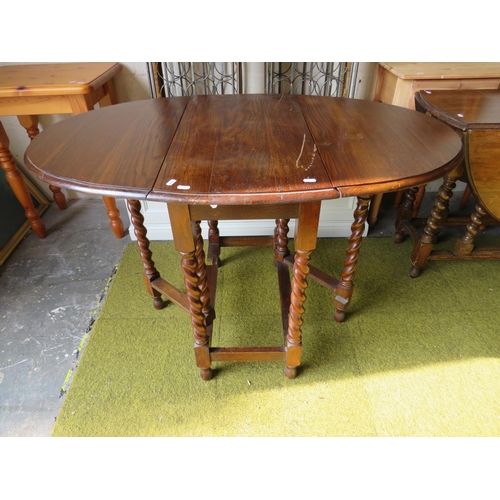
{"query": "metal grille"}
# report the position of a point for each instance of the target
(336, 79)
(170, 79)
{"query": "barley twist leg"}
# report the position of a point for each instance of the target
(202, 273)
(150, 272)
(345, 288)
(189, 263)
(465, 244)
(298, 297)
(214, 242)
(281, 239)
(439, 211)
(405, 213)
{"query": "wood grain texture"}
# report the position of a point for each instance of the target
(115, 151)
(54, 79)
(462, 109)
(244, 149)
(442, 70)
(239, 147)
(476, 115)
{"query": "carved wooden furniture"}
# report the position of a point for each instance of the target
(27, 91)
(475, 116)
(245, 157)
(17, 206)
(396, 83)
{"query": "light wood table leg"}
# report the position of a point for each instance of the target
(30, 123)
(16, 182)
(82, 104)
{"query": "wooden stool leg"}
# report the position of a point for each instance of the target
(345, 288)
(150, 272)
(82, 104)
(59, 197)
(30, 123)
(374, 209)
(465, 197)
(114, 217)
(398, 196)
(419, 197)
(16, 182)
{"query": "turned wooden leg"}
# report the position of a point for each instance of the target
(423, 247)
(374, 209)
(214, 242)
(207, 308)
(465, 197)
(281, 239)
(465, 244)
(305, 242)
(419, 197)
(405, 214)
(114, 217)
(298, 297)
(345, 288)
(187, 239)
(190, 265)
(30, 123)
(81, 104)
(16, 182)
(150, 272)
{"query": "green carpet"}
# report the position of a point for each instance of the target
(414, 357)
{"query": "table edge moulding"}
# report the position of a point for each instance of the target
(246, 156)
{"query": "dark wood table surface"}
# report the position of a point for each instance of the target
(242, 157)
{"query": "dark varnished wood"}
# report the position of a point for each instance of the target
(475, 116)
(242, 157)
(115, 151)
(348, 146)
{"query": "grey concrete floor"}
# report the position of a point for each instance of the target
(51, 293)
(51, 290)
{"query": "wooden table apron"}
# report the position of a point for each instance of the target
(245, 157)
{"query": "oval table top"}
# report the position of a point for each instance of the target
(463, 109)
(244, 149)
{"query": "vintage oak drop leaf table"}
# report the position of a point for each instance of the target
(475, 116)
(245, 157)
